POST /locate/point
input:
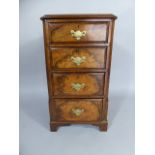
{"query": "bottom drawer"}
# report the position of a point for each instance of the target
(77, 109)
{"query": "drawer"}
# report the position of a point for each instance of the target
(67, 58)
(78, 84)
(78, 32)
(77, 109)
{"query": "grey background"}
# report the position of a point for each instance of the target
(35, 137)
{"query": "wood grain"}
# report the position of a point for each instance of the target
(96, 47)
(60, 32)
(93, 84)
(94, 58)
(91, 109)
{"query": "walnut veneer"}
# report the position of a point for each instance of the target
(78, 51)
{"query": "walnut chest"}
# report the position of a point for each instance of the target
(78, 51)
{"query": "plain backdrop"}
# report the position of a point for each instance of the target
(35, 137)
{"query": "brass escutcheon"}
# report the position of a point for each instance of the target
(77, 111)
(78, 60)
(78, 86)
(78, 34)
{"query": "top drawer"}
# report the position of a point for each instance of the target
(78, 32)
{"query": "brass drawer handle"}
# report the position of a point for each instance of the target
(78, 86)
(78, 60)
(78, 34)
(77, 111)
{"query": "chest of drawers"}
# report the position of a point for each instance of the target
(78, 50)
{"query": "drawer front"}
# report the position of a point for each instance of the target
(78, 32)
(77, 109)
(65, 58)
(80, 84)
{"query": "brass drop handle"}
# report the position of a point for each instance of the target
(78, 86)
(78, 60)
(77, 111)
(78, 34)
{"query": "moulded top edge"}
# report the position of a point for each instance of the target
(78, 16)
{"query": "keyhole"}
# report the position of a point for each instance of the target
(77, 50)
